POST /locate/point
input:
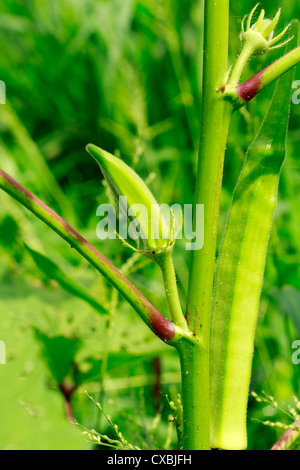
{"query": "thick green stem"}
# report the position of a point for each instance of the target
(193, 375)
(168, 271)
(215, 121)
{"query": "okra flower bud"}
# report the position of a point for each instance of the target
(256, 39)
(259, 37)
(154, 235)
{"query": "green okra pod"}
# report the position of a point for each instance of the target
(240, 272)
(155, 235)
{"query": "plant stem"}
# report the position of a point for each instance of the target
(194, 398)
(239, 66)
(286, 441)
(248, 90)
(164, 329)
(168, 271)
(215, 121)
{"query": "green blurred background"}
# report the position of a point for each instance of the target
(125, 75)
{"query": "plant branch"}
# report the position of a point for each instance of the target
(168, 271)
(246, 91)
(163, 328)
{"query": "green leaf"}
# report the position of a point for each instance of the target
(240, 270)
(59, 354)
(289, 300)
(54, 272)
(32, 415)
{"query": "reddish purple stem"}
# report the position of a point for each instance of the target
(249, 89)
(162, 327)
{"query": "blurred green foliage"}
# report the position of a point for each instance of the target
(125, 75)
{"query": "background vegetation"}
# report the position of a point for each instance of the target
(125, 75)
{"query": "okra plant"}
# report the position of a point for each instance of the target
(214, 333)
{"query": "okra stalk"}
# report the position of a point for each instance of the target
(166, 264)
(215, 120)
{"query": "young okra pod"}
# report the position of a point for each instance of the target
(240, 272)
(153, 231)
(155, 236)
